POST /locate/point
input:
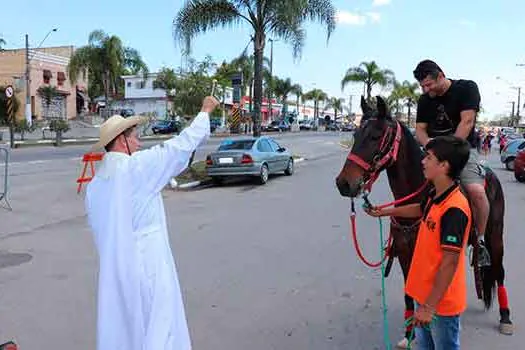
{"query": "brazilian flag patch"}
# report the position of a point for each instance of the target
(451, 239)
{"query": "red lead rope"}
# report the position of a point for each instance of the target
(388, 247)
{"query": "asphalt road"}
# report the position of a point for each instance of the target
(261, 267)
(46, 153)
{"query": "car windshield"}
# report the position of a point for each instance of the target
(236, 145)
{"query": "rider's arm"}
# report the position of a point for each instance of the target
(422, 122)
(453, 231)
(469, 108)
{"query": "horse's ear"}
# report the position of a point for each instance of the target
(382, 110)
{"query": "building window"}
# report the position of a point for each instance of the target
(140, 84)
(128, 84)
(47, 76)
(61, 77)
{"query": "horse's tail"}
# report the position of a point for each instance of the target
(491, 274)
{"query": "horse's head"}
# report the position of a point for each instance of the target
(375, 147)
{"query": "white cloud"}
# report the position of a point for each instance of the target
(467, 23)
(345, 17)
(380, 2)
(375, 17)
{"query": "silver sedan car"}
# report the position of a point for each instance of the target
(249, 156)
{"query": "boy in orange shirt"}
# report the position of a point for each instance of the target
(437, 275)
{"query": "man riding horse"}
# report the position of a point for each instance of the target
(449, 107)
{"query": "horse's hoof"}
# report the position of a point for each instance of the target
(506, 328)
(403, 344)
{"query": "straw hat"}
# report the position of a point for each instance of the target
(113, 127)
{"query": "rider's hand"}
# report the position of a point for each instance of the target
(209, 104)
(373, 211)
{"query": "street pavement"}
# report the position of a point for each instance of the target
(261, 267)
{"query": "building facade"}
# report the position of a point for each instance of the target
(47, 68)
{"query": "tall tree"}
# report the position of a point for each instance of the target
(282, 88)
(369, 74)
(337, 104)
(410, 96)
(279, 19)
(105, 59)
(2, 44)
(298, 92)
(317, 96)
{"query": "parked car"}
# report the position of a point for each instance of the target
(166, 127)
(509, 152)
(519, 166)
(127, 112)
(278, 126)
(249, 156)
(306, 124)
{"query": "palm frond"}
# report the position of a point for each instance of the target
(200, 16)
(322, 11)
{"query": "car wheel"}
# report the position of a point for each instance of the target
(263, 176)
(289, 168)
(509, 164)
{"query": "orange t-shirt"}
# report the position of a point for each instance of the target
(446, 225)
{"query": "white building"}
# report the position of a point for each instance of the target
(140, 95)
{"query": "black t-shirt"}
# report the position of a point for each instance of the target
(443, 113)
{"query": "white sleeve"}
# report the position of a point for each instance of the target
(157, 165)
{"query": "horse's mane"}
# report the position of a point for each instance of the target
(413, 146)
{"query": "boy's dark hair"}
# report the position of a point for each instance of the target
(111, 143)
(427, 68)
(451, 149)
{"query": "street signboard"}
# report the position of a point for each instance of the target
(9, 91)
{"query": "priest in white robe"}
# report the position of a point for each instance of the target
(140, 305)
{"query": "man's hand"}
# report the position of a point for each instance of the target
(209, 104)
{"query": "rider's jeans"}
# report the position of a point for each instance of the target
(443, 334)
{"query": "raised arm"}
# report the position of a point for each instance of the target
(157, 165)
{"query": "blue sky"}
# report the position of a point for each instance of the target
(478, 40)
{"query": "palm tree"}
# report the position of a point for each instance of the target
(282, 88)
(337, 104)
(48, 94)
(279, 19)
(2, 44)
(317, 96)
(105, 59)
(395, 97)
(297, 90)
(369, 74)
(410, 96)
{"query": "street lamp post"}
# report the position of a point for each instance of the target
(270, 112)
(28, 78)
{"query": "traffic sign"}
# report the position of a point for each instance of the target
(9, 91)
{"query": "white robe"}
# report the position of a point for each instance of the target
(140, 305)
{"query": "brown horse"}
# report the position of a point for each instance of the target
(382, 142)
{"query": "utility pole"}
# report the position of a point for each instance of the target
(518, 109)
(28, 84)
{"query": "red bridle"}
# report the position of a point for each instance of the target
(378, 162)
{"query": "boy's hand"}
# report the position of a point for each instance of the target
(423, 316)
(373, 211)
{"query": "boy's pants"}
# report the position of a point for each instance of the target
(442, 335)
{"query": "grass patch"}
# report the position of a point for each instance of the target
(197, 172)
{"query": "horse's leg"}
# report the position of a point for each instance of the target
(505, 324)
(404, 257)
(496, 272)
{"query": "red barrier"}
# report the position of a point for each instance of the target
(88, 159)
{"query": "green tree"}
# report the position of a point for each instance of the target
(105, 59)
(279, 19)
(298, 92)
(316, 95)
(48, 94)
(282, 88)
(337, 104)
(369, 74)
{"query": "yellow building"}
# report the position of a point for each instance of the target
(48, 67)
